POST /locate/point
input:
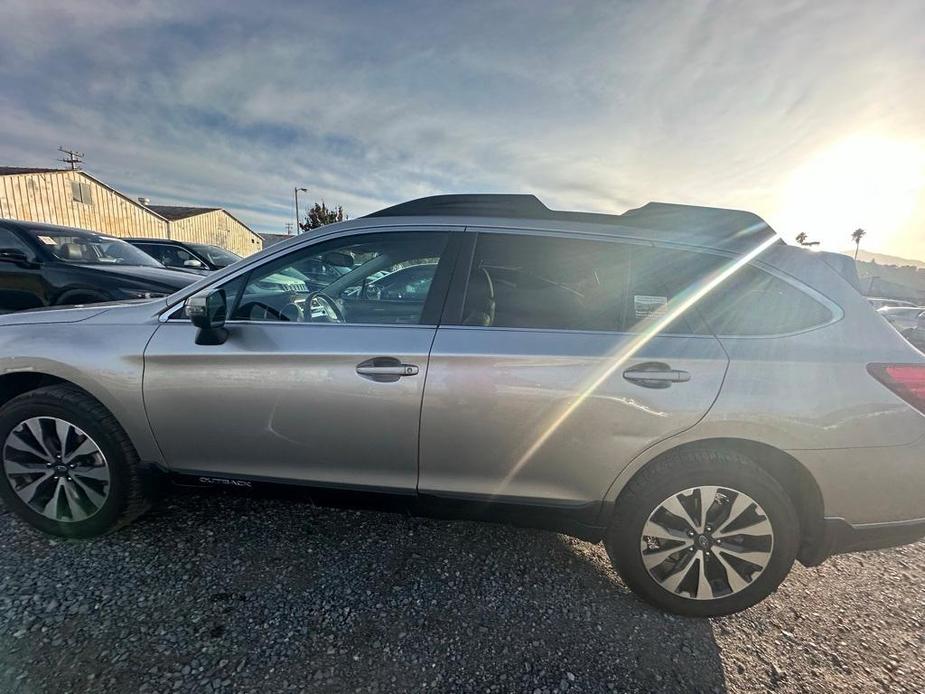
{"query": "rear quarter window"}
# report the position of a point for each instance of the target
(753, 302)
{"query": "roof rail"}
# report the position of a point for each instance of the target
(722, 226)
(478, 205)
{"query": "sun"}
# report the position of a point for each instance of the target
(866, 181)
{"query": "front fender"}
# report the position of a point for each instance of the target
(107, 361)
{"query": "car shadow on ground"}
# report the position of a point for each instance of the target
(255, 593)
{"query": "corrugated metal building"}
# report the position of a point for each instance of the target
(210, 225)
(77, 199)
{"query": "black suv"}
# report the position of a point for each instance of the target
(198, 258)
(45, 265)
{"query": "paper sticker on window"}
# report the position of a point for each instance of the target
(47, 240)
(646, 306)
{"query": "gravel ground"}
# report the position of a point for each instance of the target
(216, 592)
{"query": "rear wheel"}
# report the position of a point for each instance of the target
(703, 533)
(68, 467)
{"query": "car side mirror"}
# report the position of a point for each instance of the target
(15, 255)
(192, 262)
(208, 310)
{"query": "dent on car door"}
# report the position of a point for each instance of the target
(549, 384)
(305, 388)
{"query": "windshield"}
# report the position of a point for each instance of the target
(73, 246)
(215, 255)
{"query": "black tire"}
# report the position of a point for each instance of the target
(682, 471)
(133, 487)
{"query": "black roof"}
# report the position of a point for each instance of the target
(13, 170)
(686, 223)
(26, 225)
(149, 238)
(173, 212)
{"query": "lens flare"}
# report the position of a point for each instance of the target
(648, 328)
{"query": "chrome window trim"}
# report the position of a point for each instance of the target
(708, 336)
(309, 323)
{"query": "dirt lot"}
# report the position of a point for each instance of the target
(229, 593)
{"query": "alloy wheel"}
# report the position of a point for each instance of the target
(56, 469)
(707, 542)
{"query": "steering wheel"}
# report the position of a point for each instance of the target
(330, 309)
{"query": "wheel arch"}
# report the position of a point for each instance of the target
(15, 383)
(790, 473)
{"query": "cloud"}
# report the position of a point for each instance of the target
(599, 107)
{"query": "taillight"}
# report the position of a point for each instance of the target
(906, 380)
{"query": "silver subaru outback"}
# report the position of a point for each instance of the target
(676, 382)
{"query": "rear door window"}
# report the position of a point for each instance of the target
(557, 283)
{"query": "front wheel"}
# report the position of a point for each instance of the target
(703, 533)
(68, 467)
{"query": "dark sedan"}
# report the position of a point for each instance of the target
(45, 265)
(199, 258)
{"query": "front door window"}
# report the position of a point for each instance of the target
(370, 279)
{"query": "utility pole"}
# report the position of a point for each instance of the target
(289, 228)
(73, 158)
(296, 193)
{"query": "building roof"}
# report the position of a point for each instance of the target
(13, 170)
(270, 239)
(174, 212)
(165, 212)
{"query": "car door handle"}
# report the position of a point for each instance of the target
(400, 370)
(386, 369)
(655, 375)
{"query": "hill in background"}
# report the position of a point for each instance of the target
(890, 276)
(884, 259)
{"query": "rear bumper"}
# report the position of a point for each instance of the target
(872, 485)
(840, 537)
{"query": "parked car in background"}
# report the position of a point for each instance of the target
(675, 381)
(203, 259)
(916, 334)
(879, 303)
(903, 318)
(46, 265)
(199, 258)
(403, 284)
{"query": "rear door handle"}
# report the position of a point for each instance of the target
(655, 375)
(386, 369)
(400, 370)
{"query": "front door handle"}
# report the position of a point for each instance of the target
(386, 369)
(655, 375)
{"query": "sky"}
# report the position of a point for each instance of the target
(809, 113)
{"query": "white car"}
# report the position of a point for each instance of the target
(903, 318)
(879, 303)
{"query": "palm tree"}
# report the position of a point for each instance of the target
(856, 236)
(801, 238)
